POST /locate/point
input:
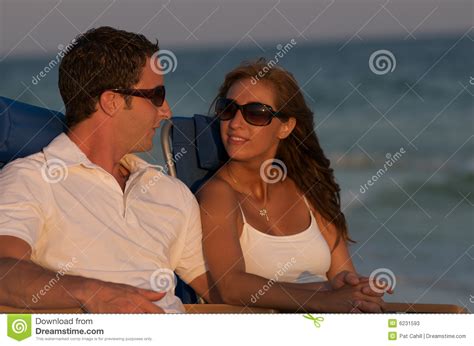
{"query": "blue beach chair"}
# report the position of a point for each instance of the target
(192, 148)
(26, 129)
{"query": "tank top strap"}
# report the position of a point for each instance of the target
(242, 212)
(307, 203)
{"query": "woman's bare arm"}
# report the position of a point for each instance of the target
(219, 215)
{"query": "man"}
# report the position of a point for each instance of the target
(77, 228)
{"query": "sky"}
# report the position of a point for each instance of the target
(37, 27)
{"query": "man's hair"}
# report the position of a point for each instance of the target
(100, 59)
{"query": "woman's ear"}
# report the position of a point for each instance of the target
(286, 128)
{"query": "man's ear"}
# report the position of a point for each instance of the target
(286, 128)
(111, 102)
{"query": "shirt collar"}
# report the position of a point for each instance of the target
(65, 150)
(135, 164)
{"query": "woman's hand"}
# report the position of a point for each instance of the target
(354, 293)
(350, 298)
(352, 279)
(344, 278)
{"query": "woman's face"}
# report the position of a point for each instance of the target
(243, 141)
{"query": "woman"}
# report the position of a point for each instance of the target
(273, 235)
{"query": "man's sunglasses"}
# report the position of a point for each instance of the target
(156, 95)
(255, 113)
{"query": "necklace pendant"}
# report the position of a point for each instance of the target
(263, 212)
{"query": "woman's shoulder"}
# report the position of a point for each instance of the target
(290, 187)
(216, 188)
(218, 199)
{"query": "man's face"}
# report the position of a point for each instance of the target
(136, 126)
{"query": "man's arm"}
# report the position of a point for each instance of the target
(26, 284)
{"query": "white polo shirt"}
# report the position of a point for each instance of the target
(78, 221)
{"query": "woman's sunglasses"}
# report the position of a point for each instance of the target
(156, 95)
(255, 113)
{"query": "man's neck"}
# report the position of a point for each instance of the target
(99, 148)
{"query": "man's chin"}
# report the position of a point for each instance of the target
(143, 147)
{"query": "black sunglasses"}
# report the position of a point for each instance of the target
(155, 95)
(254, 113)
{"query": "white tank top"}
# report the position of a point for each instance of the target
(300, 258)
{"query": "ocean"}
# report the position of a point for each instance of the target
(399, 139)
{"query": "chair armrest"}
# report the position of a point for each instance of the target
(190, 308)
(424, 308)
(8, 309)
(225, 309)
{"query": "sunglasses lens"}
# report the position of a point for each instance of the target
(257, 115)
(225, 109)
(158, 96)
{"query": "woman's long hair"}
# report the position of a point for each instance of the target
(300, 151)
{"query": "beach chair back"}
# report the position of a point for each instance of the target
(192, 148)
(25, 129)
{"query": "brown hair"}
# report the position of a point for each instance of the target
(100, 59)
(301, 152)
